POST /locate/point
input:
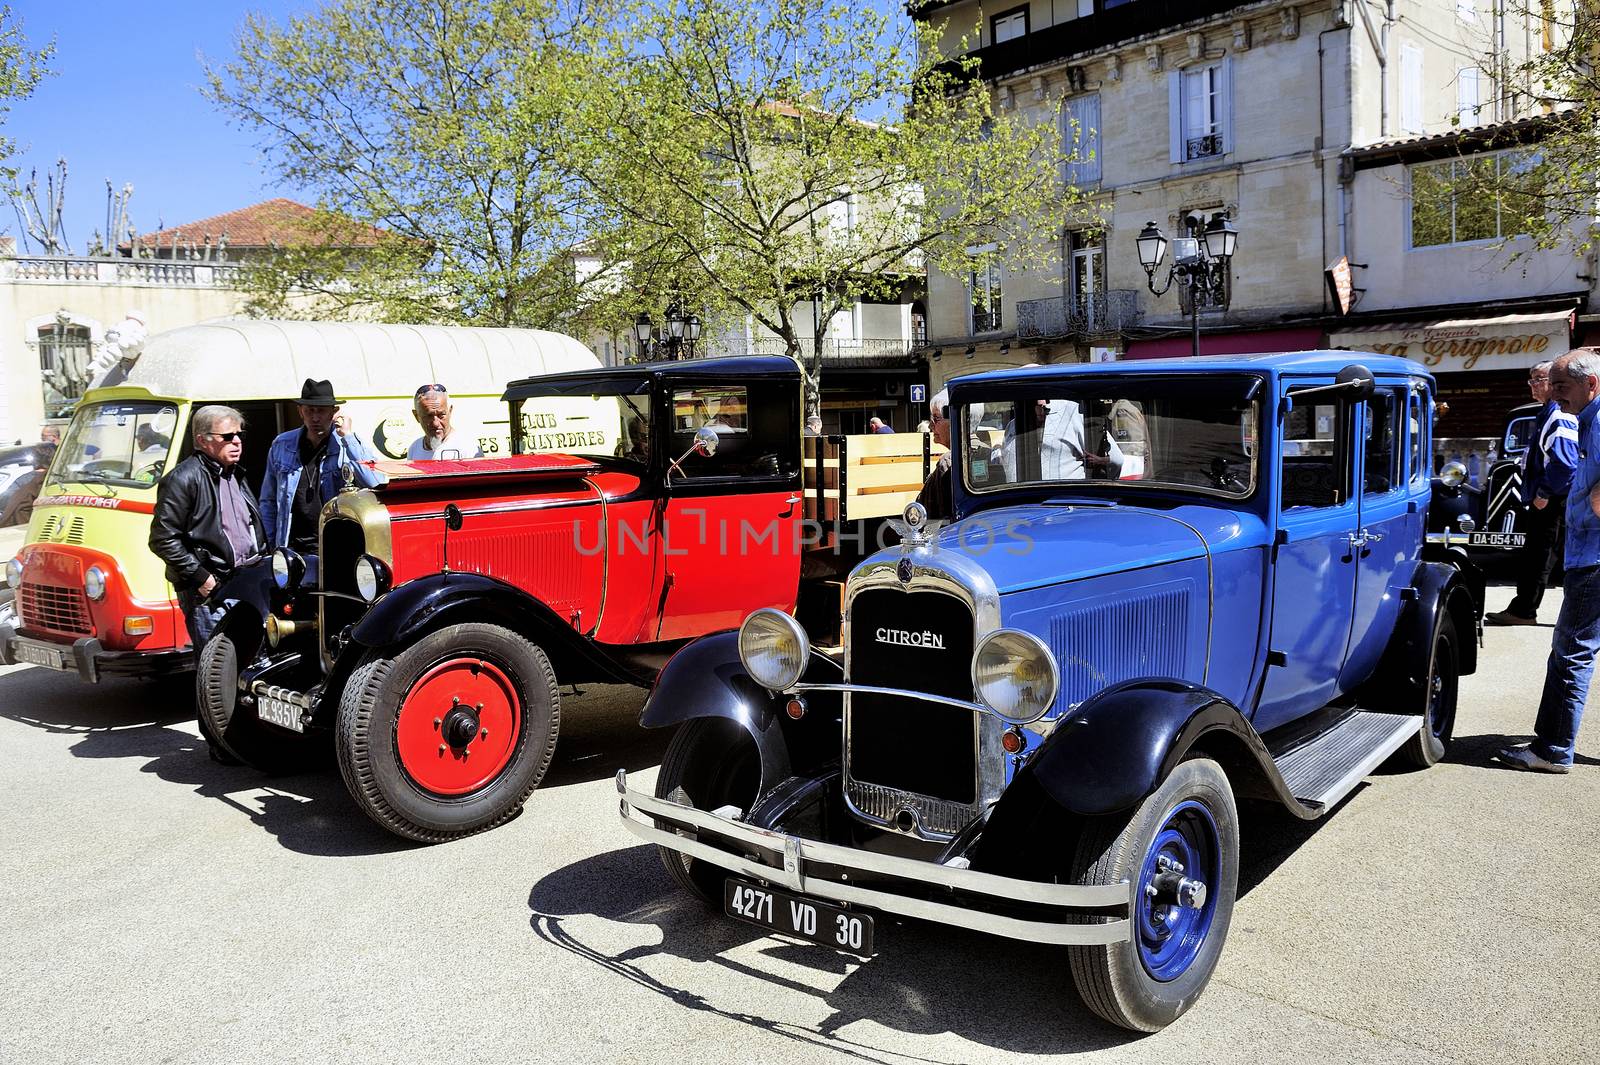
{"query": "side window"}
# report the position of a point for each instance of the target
(1382, 469)
(1421, 468)
(757, 435)
(1314, 445)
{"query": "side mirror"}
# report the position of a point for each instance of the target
(705, 440)
(452, 517)
(1358, 379)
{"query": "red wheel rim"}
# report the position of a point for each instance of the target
(458, 726)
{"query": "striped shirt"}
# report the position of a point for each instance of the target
(1552, 454)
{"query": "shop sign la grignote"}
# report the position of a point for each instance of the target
(1508, 342)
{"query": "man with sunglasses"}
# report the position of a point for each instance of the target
(439, 439)
(206, 524)
(305, 469)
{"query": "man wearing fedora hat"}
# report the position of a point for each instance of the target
(305, 469)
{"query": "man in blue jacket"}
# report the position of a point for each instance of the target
(305, 469)
(1575, 383)
(1546, 473)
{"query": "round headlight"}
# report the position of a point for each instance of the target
(1014, 674)
(372, 578)
(1454, 475)
(94, 583)
(287, 568)
(773, 648)
(14, 573)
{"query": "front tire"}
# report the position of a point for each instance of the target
(1187, 832)
(242, 734)
(710, 763)
(1439, 705)
(450, 736)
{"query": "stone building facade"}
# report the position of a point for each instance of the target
(1267, 112)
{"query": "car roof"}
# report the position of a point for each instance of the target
(1294, 362)
(739, 366)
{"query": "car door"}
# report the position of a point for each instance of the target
(1314, 564)
(1390, 533)
(729, 536)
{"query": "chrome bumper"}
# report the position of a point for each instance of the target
(797, 854)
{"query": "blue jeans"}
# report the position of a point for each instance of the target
(201, 616)
(1566, 679)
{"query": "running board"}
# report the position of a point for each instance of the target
(1324, 770)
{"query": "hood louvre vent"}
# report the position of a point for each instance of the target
(1142, 635)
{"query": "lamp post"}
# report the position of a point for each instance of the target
(1200, 263)
(676, 341)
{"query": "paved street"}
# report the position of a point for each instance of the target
(159, 907)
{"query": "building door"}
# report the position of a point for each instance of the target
(1088, 282)
(1314, 566)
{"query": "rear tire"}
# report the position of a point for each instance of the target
(1148, 981)
(410, 726)
(710, 763)
(1439, 701)
(241, 734)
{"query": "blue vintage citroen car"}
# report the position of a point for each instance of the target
(1168, 587)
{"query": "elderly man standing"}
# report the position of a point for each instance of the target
(305, 469)
(1575, 384)
(439, 439)
(206, 525)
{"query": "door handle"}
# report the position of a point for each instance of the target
(790, 502)
(1357, 540)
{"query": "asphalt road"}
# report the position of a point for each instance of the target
(159, 907)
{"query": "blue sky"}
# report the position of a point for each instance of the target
(125, 105)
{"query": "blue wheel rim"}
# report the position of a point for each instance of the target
(1171, 934)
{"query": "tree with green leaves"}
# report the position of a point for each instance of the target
(439, 123)
(21, 69)
(1545, 185)
(782, 160)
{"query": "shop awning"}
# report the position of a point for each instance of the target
(1502, 342)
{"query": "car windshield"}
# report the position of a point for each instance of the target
(605, 418)
(1184, 431)
(122, 442)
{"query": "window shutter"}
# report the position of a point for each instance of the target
(1467, 98)
(1410, 88)
(1175, 114)
(1225, 103)
(1089, 118)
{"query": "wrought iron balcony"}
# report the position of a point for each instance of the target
(1072, 317)
(877, 352)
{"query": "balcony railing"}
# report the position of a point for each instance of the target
(1070, 317)
(841, 352)
(61, 269)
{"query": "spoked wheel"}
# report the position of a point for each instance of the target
(710, 763)
(237, 730)
(1439, 707)
(451, 735)
(1181, 851)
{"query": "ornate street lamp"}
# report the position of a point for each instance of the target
(676, 341)
(1200, 263)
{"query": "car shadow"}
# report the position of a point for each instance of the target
(926, 979)
(600, 734)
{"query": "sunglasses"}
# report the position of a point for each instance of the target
(229, 437)
(435, 387)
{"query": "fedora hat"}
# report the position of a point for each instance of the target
(317, 394)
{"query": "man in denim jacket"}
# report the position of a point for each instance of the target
(1575, 384)
(290, 498)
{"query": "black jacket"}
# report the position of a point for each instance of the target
(186, 532)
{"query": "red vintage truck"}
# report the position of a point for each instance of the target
(428, 637)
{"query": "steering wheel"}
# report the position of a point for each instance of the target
(1222, 477)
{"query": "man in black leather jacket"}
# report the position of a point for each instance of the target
(206, 524)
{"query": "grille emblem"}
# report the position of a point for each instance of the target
(903, 638)
(903, 570)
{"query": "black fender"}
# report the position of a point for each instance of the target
(1453, 588)
(418, 607)
(1118, 745)
(706, 679)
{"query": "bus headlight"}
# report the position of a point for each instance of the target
(287, 569)
(1014, 674)
(773, 648)
(94, 583)
(14, 573)
(372, 578)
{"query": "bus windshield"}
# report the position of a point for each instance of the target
(119, 442)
